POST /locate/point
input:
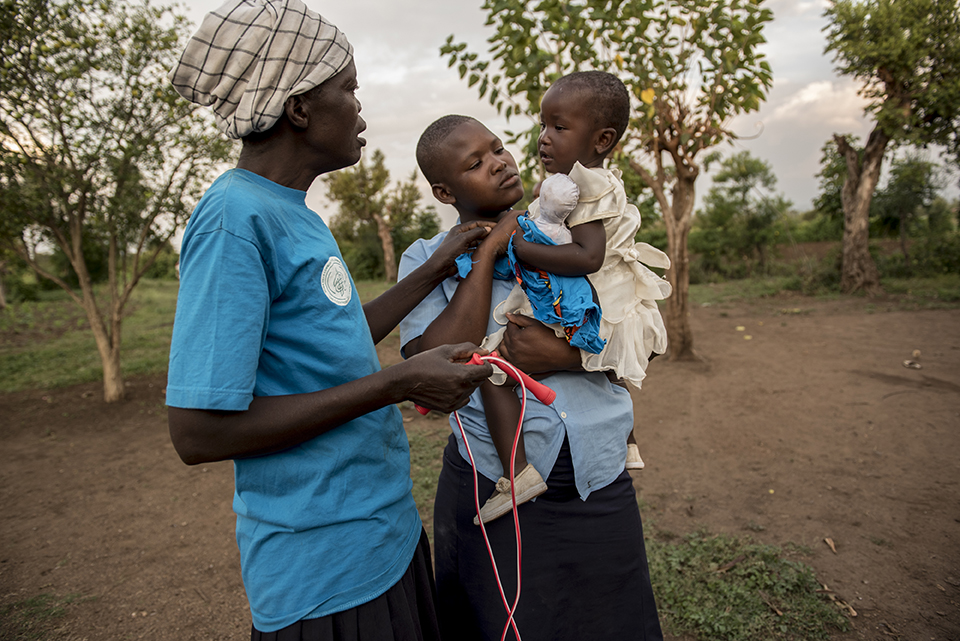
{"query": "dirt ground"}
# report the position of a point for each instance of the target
(801, 424)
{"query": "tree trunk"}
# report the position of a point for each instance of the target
(3, 290)
(113, 388)
(108, 346)
(676, 217)
(903, 242)
(858, 270)
(389, 256)
(677, 319)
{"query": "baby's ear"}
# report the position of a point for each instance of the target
(606, 139)
(442, 193)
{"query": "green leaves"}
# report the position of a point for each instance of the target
(366, 200)
(95, 139)
(907, 55)
(676, 51)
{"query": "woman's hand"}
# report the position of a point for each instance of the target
(535, 348)
(461, 238)
(443, 378)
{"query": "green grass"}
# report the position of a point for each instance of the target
(724, 588)
(902, 293)
(370, 289)
(48, 343)
(938, 291)
(733, 291)
(31, 618)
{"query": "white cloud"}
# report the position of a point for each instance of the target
(791, 128)
(822, 104)
(785, 8)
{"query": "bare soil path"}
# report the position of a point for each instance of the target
(801, 424)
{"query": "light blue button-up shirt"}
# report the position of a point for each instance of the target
(595, 415)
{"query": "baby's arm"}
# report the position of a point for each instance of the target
(583, 255)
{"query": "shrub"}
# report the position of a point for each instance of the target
(724, 588)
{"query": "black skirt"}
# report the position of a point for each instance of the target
(405, 612)
(584, 572)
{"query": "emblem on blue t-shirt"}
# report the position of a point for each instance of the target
(336, 282)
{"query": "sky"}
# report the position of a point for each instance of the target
(405, 85)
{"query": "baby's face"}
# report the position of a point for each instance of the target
(480, 174)
(567, 130)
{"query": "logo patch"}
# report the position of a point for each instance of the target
(335, 282)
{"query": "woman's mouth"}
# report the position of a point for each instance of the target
(510, 181)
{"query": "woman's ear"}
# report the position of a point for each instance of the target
(296, 111)
(443, 194)
(605, 140)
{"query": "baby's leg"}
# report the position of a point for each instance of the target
(634, 461)
(502, 409)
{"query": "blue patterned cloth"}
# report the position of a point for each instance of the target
(501, 267)
(565, 300)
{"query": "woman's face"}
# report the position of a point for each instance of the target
(481, 177)
(335, 122)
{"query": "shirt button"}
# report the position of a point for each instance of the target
(563, 415)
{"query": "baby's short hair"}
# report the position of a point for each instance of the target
(607, 93)
(431, 142)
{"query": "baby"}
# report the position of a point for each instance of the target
(580, 234)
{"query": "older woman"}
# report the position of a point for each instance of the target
(272, 362)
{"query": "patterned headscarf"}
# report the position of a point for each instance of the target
(249, 56)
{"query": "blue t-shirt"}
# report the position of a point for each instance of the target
(595, 415)
(266, 307)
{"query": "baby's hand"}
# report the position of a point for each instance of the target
(499, 237)
(461, 238)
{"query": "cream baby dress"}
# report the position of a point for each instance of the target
(626, 287)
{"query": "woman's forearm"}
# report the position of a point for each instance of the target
(437, 379)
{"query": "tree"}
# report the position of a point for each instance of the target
(97, 148)
(740, 209)
(690, 66)
(907, 55)
(376, 223)
(833, 173)
(911, 189)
